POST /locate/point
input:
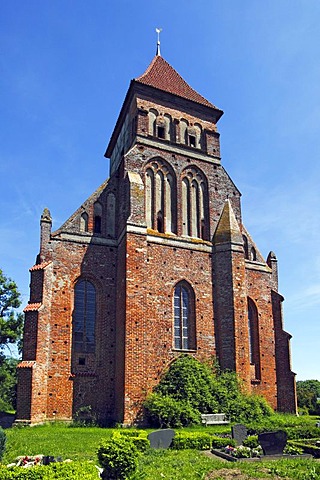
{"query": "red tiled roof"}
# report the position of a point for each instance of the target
(161, 75)
(40, 266)
(32, 307)
(26, 364)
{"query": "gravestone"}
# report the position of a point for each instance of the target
(239, 433)
(161, 438)
(273, 443)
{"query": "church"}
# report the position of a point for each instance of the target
(154, 264)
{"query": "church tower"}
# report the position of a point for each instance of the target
(154, 264)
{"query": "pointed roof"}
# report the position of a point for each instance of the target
(162, 76)
(228, 229)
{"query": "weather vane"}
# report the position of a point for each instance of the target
(158, 30)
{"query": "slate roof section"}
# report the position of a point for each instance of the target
(162, 76)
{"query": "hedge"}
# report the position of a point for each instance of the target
(193, 440)
(307, 447)
(199, 441)
(54, 471)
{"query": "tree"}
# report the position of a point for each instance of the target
(308, 392)
(11, 323)
(8, 383)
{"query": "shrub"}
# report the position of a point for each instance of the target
(291, 449)
(194, 440)
(85, 417)
(118, 456)
(190, 388)
(302, 431)
(189, 381)
(220, 442)
(3, 439)
(141, 443)
(307, 448)
(165, 411)
(138, 437)
(54, 471)
(251, 441)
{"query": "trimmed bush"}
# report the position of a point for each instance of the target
(3, 439)
(221, 442)
(194, 440)
(307, 447)
(138, 437)
(118, 456)
(302, 431)
(54, 471)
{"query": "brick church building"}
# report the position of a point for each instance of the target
(155, 263)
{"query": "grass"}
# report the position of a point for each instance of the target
(192, 465)
(81, 444)
(58, 440)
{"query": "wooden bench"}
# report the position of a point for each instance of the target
(214, 419)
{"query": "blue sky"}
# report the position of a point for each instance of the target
(65, 69)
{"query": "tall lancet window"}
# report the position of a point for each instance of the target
(194, 204)
(84, 316)
(184, 317)
(254, 350)
(160, 197)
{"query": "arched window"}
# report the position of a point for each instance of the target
(84, 316)
(184, 317)
(160, 197)
(253, 328)
(111, 215)
(84, 222)
(245, 246)
(253, 254)
(97, 217)
(194, 204)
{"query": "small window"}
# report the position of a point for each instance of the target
(97, 217)
(84, 220)
(82, 361)
(245, 246)
(192, 141)
(160, 222)
(97, 224)
(160, 132)
(253, 254)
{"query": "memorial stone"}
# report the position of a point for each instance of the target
(273, 443)
(239, 433)
(161, 438)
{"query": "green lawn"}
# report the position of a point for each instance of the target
(81, 444)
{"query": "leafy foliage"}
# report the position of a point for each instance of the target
(3, 439)
(118, 456)
(308, 392)
(54, 471)
(10, 322)
(190, 388)
(195, 440)
(167, 411)
(8, 381)
(190, 381)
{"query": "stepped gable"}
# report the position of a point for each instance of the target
(162, 76)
